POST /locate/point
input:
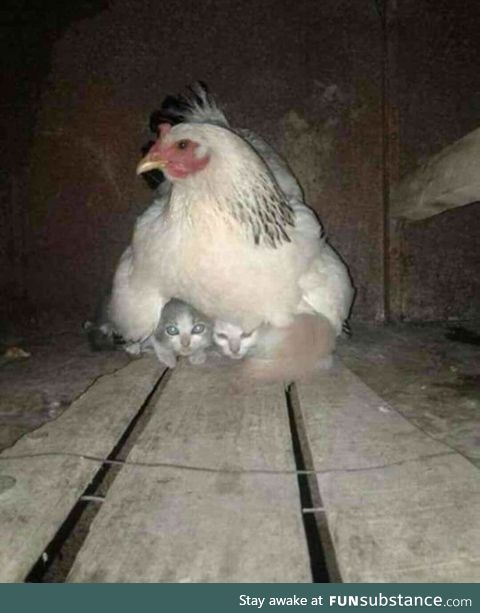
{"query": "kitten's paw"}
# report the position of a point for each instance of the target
(134, 349)
(198, 358)
(167, 360)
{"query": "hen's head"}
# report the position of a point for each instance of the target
(180, 151)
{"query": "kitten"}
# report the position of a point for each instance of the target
(182, 331)
(232, 341)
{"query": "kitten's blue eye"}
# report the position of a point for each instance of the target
(172, 330)
(198, 329)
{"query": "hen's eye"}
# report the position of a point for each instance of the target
(182, 144)
(172, 330)
(198, 329)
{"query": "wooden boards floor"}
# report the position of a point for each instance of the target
(210, 507)
(43, 474)
(400, 506)
(209, 492)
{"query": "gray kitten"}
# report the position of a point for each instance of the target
(182, 331)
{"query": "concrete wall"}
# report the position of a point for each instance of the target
(439, 102)
(28, 31)
(306, 75)
(24, 58)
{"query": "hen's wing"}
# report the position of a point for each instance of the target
(307, 222)
(136, 302)
(327, 288)
(326, 285)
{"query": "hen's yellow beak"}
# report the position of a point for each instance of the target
(151, 161)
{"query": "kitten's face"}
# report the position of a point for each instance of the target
(232, 340)
(184, 329)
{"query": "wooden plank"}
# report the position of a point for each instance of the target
(447, 180)
(43, 474)
(221, 524)
(400, 506)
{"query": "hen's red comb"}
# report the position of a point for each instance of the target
(164, 128)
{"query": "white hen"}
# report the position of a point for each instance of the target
(231, 235)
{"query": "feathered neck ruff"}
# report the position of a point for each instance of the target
(236, 185)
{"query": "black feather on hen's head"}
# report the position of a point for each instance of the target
(197, 106)
(171, 111)
(180, 108)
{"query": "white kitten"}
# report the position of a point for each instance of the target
(232, 341)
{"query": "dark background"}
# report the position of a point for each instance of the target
(79, 81)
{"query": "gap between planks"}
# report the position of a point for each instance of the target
(401, 506)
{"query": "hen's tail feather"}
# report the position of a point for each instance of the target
(294, 352)
(196, 107)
